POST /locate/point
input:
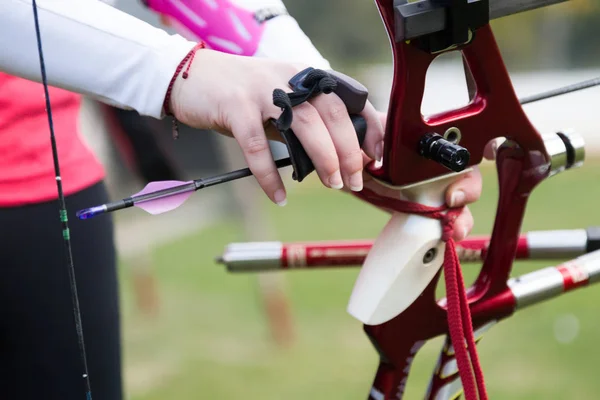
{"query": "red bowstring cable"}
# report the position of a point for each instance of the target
(458, 312)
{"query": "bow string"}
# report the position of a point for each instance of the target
(62, 212)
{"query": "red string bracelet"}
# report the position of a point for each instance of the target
(458, 312)
(189, 57)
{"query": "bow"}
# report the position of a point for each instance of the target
(63, 214)
(422, 157)
(394, 295)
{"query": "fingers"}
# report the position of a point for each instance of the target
(312, 133)
(489, 152)
(466, 190)
(247, 127)
(373, 145)
(462, 192)
(337, 122)
(383, 120)
(463, 225)
(334, 115)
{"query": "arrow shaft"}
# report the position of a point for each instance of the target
(235, 175)
(184, 187)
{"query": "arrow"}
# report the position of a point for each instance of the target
(162, 196)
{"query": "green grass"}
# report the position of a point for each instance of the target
(211, 340)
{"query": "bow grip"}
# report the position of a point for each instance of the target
(405, 257)
(353, 94)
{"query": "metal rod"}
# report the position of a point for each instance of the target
(547, 283)
(268, 256)
(560, 91)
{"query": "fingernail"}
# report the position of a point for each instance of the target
(457, 198)
(335, 180)
(379, 151)
(280, 198)
(494, 148)
(464, 232)
(356, 182)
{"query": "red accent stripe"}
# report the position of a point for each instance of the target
(573, 276)
(522, 248)
(333, 253)
(483, 242)
(284, 257)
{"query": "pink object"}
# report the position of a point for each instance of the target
(167, 203)
(222, 25)
(25, 154)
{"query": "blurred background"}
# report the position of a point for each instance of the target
(191, 330)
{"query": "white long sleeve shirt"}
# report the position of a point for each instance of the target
(94, 49)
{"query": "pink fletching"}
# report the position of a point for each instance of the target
(160, 185)
(166, 202)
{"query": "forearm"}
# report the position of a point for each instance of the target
(257, 28)
(284, 39)
(93, 49)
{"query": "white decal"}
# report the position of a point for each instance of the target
(376, 394)
(577, 274)
(296, 256)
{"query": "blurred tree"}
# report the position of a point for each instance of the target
(583, 6)
(347, 32)
(584, 43)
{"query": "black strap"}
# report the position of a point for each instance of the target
(316, 81)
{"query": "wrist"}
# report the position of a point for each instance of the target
(181, 72)
(184, 65)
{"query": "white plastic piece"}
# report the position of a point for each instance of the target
(394, 273)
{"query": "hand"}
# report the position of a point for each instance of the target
(234, 96)
(464, 191)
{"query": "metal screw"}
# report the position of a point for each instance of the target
(430, 255)
(453, 135)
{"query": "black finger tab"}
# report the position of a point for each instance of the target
(305, 85)
(301, 162)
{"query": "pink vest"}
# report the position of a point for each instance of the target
(26, 165)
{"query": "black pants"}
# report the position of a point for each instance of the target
(39, 355)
